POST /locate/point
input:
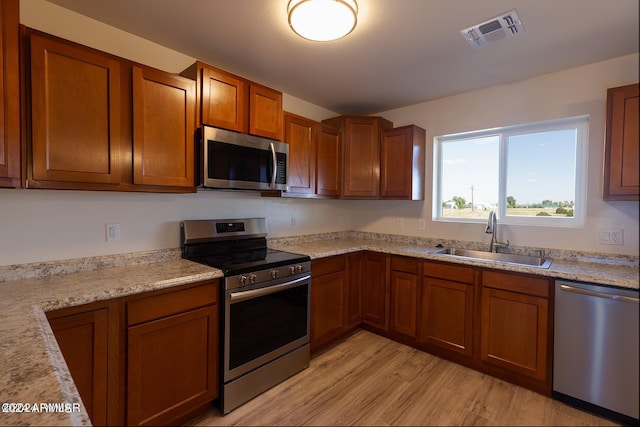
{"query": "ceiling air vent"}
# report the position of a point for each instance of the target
(502, 26)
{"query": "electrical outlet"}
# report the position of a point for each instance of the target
(340, 219)
(293, 222)
(611, 236)
(113, 232)
(421, 224)
(399, 222)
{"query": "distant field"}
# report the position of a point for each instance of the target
(468, 213)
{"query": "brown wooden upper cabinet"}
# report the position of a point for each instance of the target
(98, 122)
(301, 135)
(231, 102)
(314, 157)
(360, 154)
(402, 152)
(163, 117)
(9, 95)
(622, 156)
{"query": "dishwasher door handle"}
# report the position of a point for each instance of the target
(615, 297)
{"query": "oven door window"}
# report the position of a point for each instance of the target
(264, 324)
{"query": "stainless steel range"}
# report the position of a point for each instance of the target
(265, 309)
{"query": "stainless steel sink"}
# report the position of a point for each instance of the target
(530, 261)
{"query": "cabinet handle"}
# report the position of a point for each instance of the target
(275, 164)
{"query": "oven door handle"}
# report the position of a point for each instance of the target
(254, 293)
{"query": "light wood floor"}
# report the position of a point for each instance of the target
(370, 380)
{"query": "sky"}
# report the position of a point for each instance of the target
(540, 166)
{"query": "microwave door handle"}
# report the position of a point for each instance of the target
(275, 164)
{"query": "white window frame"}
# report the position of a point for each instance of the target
(580, 123)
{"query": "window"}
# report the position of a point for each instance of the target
(531, 174)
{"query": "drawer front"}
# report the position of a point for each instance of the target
(332, 264)
(170, 303)
(514, 282)
(455, 273)
(408, 265)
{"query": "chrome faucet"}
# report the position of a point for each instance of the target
(492, 229)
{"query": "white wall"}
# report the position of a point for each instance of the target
(41, 225)
(572, 92)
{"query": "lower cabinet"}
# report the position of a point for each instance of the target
(446, 308)
(335, 298)
(172, 355)
(82, 338)
(515, 333)
(145, 359)
(403, 287)
(328, 305)
(493, 321)
(375, 298)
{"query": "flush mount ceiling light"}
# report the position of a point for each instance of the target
(322, 20)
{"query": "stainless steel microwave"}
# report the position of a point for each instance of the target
(234, 160)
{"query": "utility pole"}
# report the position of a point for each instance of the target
(472, 188)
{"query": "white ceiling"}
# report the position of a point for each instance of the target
(402, 52)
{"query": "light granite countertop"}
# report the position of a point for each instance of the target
(34, 372)
(620, 271)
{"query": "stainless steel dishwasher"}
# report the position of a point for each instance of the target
(595, 363)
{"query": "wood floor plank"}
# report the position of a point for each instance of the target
(369, 380)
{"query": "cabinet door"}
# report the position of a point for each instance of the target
(82, 338)
(329, 166)
(327, 308)
(361, 139)
(354, 289)
(9, 95)
(172, 366)
(300, 134)
(514, 332)
(622, 156)
(375, 297)
(402, 152)
(163, 129)
(446, 315)
(404, 288)
(75, 114)
(224, 100)
(265, 112)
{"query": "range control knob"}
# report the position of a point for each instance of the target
(242, 280)
(299, 268)
(292, 270)
(252, 278)
(274, 274)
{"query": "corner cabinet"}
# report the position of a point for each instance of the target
(9, 94)
(82, 338)
(360, 154)
(622, 156)
(94, 121)
(402, 163)
(231, 102)
(145, 359)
